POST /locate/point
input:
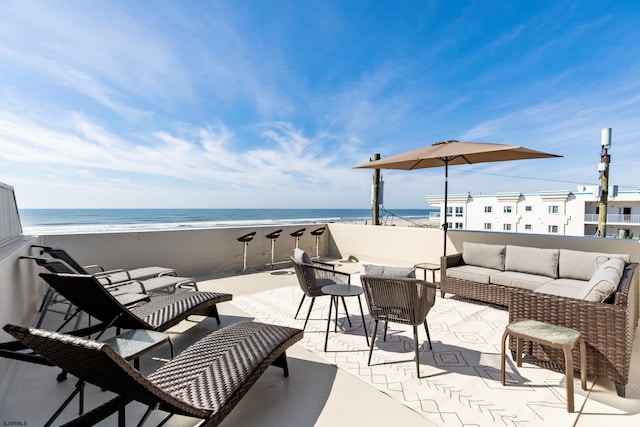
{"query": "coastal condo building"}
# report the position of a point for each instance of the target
(545, 212)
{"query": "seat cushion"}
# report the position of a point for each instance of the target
(519, 280)
(570, 288)
(582, 265)
(389, 271)
(483, 255)
(471, 273)
(537, 261)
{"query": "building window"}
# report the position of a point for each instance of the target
(507, 209)
(527, 226)
(528, 208)
(487, 209)
(554, 209)
(487, 226)
(506, 227)
(553, 229)
(459, 210)
(449, 211)
(458, 226)
(449, 225)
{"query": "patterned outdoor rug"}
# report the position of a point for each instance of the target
(460, 378)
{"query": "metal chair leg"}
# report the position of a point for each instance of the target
(373, 339)
(309, 312)
(417, 351)
(299, 307)
(426, 328)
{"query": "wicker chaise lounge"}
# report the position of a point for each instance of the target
(88, 295)
(205, 381)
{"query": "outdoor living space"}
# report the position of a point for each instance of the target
(460, 377)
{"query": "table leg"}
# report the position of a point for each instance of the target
(519, 342)
(335, 325)
(502, 356)
(326, 337)
(583, 363)
(568, 364)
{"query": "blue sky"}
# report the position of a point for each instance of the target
(270, 104)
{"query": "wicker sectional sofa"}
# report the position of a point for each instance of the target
(594, 293)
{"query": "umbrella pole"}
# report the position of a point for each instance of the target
(446, 190)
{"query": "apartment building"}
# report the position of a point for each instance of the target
(545, 212)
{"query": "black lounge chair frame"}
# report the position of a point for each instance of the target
(205, 381)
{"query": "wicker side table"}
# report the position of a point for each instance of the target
(554, 336)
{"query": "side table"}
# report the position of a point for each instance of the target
(133, 344)
(554, 336)
(428, 266)
(342, 291)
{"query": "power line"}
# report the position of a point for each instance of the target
(540, 179)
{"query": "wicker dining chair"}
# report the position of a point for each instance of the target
(313, 276)
(400, 300)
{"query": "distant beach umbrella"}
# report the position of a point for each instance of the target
(447, 153)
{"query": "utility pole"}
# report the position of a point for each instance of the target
(603, 168)
(375, 193)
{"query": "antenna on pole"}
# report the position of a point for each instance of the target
(603, 168)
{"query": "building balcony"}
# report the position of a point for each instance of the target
(615, 219)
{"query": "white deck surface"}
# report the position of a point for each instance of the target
(315, 394)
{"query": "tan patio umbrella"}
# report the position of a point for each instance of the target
(447, 153)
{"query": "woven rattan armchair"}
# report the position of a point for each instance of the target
(313, 276)
(400, 300)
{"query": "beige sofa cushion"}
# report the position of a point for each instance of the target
(569, 288)
(582, 265)
(472, 273)
(518, 280)
(483, 255)
(522, 259)
(604, 281)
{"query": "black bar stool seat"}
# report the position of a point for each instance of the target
(247, 237)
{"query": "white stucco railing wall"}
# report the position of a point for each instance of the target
(10, 226)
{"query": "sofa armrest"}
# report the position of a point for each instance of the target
(626, 287)
(450, 261)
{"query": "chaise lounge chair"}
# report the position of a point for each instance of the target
(205, 381)
(121, 290)
(161, 313)
(106, 276)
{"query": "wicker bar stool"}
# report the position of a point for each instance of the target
(273, 236)
(297, 234)
(245, 241)
(318, 232)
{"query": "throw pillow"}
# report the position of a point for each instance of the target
(301, 257)
(605, 280)
(389, 271)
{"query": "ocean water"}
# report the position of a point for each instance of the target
(69, 221)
